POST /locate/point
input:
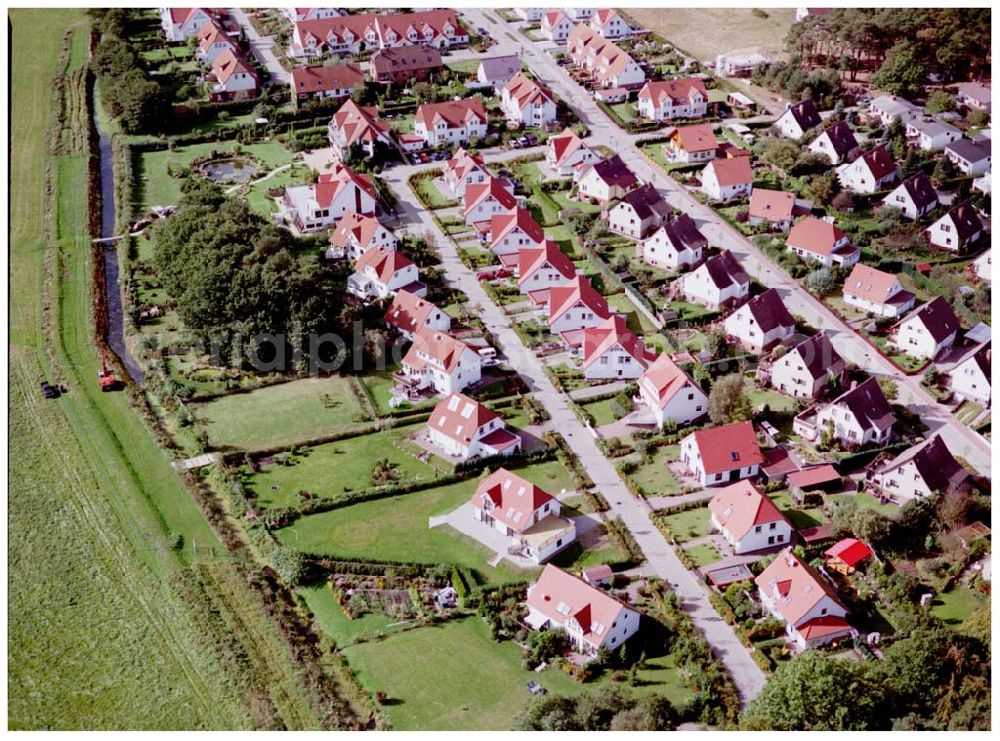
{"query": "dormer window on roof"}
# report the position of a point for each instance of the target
(562, 608)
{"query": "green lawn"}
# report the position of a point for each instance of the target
(602, 411)
(637, 321)
(777, 401)
(465, 66)
(800, 516)
(955, 606)
(654, 477)
(703, 554)
(428, 190)
(866, 501)
(690, 524)
(380, 384)
(256, 193)
(283, 414)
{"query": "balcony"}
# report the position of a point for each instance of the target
(806, 424)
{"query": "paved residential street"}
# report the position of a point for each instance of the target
(262, 48)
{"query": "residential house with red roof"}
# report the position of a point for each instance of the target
(355, 125)
(450, 121)
(640, 212)
(747, 519)
(438, 361)
(694, 143)
(591, 618)
(315, 206)
(846, 555)
(665, 100)
(213, 40)
(356, 233)
(760, 323)
(721, 455)
(574, 306)
(920, 471)
(405, 64)
(771, 207)
(797, 119)
(719, 282)
(482, 201)
(677, 244)
(859, 416)
(968, 375)
(525, 513)
(556, 26)
(914, 197)
(876, 292)
(807, 369)
(605, 180)
(327, 81)
(819, 240)
(527, 103)
(353, 33)
(232, 78)
(609, 66)
(383, 271)
(727, 178)
(567, 152)
(608, 23)
(793, 592)
(927, 331)
(873, 171)
(957, 229)
(408, 314)
(309, 14)
(611, 350)
(463, 428)
(837, 143)
(464, 169)
(513, 231)
(671, 394)
(540, 268)
(181, 24)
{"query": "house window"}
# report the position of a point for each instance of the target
(757, 529)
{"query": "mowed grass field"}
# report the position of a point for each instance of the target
(707, 32)
(97, 638)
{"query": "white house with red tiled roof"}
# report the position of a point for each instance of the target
(612, 351)
(876, 292)
(383, 271)
(677, 244)
(357, 125)
(212, 41)
(773, 207)
(450, 121)
(873, 171)
(441, 362)
(556, 26)
(720, 455)
(309, 14)
(355, 234)
(541, 268)
(608, 65)
(608, 23)
(591, 618)
(232, 78)
(464, 169)
(720, 281)
(928, 330)
(665, 100)
(802, 599)
(747, 519)
(350, 34)
(464, 429)
(524, 512)
(527, 103)
(408, 314)
(605, 180)
(821, 241)
(514, 230)
(694, 143)
(181, 24)
(761, 323)
(567, 152)
(315, 206)
(805, 370)
(325, 81)
(671, 394)
(482, 201)
(575, 305)
(726, 178)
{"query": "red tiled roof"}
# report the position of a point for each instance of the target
(732, 170)
(665, 379)
(362, 228)
(850, 551)
(385, 262)
(359, 124)
(773, 205)
(728, 447)
(613, 330)
(408, 312)
(330, 77)
(814, 476)
(329, 185)
(870, 284)
(814, 235)
(458, 417)
(446, 351)
(741, 506)
(559, 595)
(565, 145)
(476, 193)
(525, 90)
(823, 626)
(518, 218)
(562, 297)
(678, 91)
(695, 138)
(455, 113)
(514, 499)
(798, 586)
(531, 259)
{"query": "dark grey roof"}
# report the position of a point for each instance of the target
(868, 405)
(937, 466)
(966, 220)
(841, 138)
(970, 150)
(819, 356)
(921, 191)
(724, 270)
(769, 311)
(501, 68)
(805, 113)
(938, 317)
(684, 234)
(647, 201)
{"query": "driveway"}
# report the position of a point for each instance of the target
(262, 48)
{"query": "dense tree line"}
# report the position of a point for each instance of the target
(605, 708)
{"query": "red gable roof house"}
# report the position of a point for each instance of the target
(464, 169)
(928, 330)
(514, 230)
(383, 271)
(573, 306)
(232, 78)
(665, 100)
(556, 26)
(450, 122)
(823, 242)
(611, 350)
(438, 361)
(355, 234)
(567, 153)
(771, 206)
(352, 33)
(876, 292)
(361, 125)
(463, 428)
(607, 63)
(722, 454)
(482, 201)
(525, 513)
(213, 40)
(846, 555)
(795, 594)
(873, 171)
(526, 103)
(609, 24)
(605, 180)
(405, 64)
(859, 416)
(329, 81)
(727, 178)
(319, 205)
(591, 618)
(409, 314)
(541, 268)
(671, 394)
(761, 323)
(180, 24)
(747, 519)
(696, 143)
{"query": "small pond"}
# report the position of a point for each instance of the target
(232, 170)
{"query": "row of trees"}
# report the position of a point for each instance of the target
(605, 708)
